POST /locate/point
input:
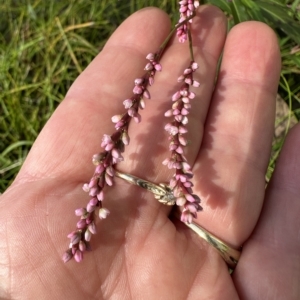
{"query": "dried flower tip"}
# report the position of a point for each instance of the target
(196, 83)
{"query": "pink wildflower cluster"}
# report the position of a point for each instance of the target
(187, 8)
(113, 146)
(181, 181)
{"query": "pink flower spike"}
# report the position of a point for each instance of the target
(148, 67)
(182, 129)
(103, 213)
(184, 112)
(150, 56)
(93, 201)
(158, 67)
(109, 146)
(196, 83)
(80, 212)
(132, 112)
(70, 235)
(180, 201)
(188, 81)
(138, 81)
(176, 96)
(184, 120)
(192, 208)
(185, 166)
(137, 118)
(182, 140)
(142, 104)
(137, 90)
(169, 113)
(99, 169)
(189, 198)
(100, 196)
(110, 171)
(81, 224)
(92, 228)
(76, 238)
(186, 217)
(116, 153)
(146, 94)
(116, 118)
(86, 188)
(90, 208)
(127, 103)
(67, 256)
(78, 256)
(187, 71)
(108, 180)
(94, 191)
(179, 150)
(87, 235)
(166, 161)
(82, 246)
(194, 66)
(151, 80)
(180, 78)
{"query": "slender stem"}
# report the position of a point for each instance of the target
(166, 41)
(190, 43)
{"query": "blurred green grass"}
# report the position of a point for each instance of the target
(44, 45)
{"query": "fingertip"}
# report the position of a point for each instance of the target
(149, 23)
(253, 53)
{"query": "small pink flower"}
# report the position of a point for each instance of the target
(103, 213)
(78, 256)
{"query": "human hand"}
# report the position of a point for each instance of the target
(139, 253)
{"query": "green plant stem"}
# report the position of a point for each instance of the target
(190, 43)
(166, 41)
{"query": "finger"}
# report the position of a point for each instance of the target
(273, 249)
(232, 162)
(75, 130)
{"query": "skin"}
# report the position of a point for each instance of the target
(139, 252)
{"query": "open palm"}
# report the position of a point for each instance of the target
(138, 252)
